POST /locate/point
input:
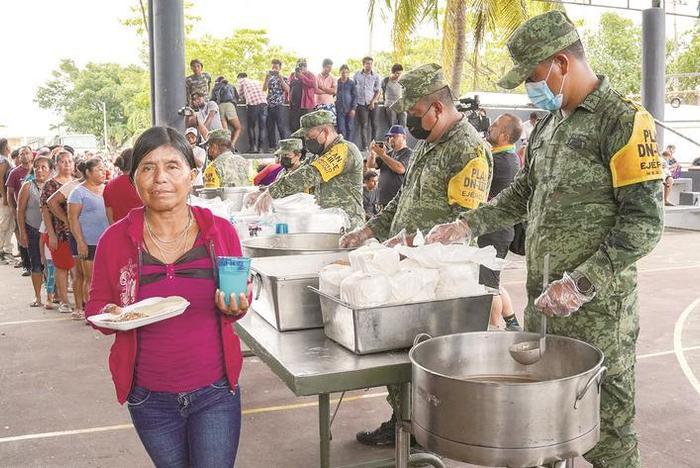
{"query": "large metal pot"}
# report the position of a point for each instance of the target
(472, 402)
(292, 244)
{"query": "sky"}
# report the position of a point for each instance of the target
(90, 31)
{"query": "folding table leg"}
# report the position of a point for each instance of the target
(403, 433)
(324, 428)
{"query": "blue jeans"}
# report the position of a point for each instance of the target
(198, 429)
(345, 124)
(275, 124)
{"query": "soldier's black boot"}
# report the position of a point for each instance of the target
(384, 435)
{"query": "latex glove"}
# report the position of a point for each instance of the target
(263, 204)
(400, 239)
(450, 233)
(355, 238)
(561, 298)
(250, 199)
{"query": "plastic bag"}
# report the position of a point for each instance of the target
(330, 278)
(459, 280)
(413, 285)
(375, 258)
(439, 255)
(365, 290)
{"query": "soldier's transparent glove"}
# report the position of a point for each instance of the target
(402, 238)
(450, 233)
(355, 238)
(263, 204)
(250, 199)
(562, 298)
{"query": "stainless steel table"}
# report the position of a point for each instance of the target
(311, 364)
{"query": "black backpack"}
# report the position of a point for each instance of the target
(224, 92)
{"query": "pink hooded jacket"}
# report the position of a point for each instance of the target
(116, 280)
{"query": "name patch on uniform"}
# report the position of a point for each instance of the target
(639, 160)
(332, 163)
(211, 177)
(470, 187)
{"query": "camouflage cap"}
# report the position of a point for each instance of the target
(419, 83)
(219, 134)
(534, 41)
(314, 119)
(290, 145)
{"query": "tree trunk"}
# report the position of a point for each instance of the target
(460, 45)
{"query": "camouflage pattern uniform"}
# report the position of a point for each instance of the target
(287, 146)
(594, 203)
(443, 178)
(228, 169)
(198, 84)
(334, 177)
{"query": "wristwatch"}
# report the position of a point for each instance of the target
(583, 284)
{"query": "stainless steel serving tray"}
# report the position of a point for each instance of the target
(280, 293)
(292, 244)
(386, 328)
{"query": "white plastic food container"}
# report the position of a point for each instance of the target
(156, 308)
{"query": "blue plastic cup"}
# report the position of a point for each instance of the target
(233, 276)
(281, 228)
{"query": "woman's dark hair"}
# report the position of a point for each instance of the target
(3, 145)
(80, 167)
(15, 153)
(397, 67)
(91, 164)
(344, 67)
(154, 138)
(123, 161)
(48, 160)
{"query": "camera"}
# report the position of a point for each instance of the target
(469, 104)
(273, 73)
(380, 144)
(471, 107)
(185, 111)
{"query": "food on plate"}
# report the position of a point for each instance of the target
(125, 317)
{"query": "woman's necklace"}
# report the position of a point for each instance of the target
(166, 252)
(176, 239)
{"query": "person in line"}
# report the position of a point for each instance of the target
(55, 219)
(503, 134)
(256, 111)
(392, 164)
(88, 220)
(392, 92)
(29, 221)
(226, 97)
(368, 84)
(593, 201)
(200, 154)
(528, 126)
(334, 173)
(225, 169)
(449, 157)
(277, 88)
(302, 89)
(7, 219)
(370, 198)
(326, 88)
(15, 179)
(119, 194)
(178, 377)
(346, 103)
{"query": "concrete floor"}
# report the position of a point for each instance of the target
(58, 409)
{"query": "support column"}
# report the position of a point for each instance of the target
(654, 65)
(168, 62)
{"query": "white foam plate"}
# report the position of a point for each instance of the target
(170, 309)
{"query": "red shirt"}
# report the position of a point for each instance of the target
(121, 195)
(16, 178)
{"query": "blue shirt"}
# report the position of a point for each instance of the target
(367, 84)
(93, 218)
(346, 97)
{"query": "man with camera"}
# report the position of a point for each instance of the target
(204, 114)
(392, 160)
(276, 86)
(302, 94)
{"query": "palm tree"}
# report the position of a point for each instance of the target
(484, 18)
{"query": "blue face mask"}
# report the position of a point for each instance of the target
(543, 97)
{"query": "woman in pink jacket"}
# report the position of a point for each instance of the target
(178, 377)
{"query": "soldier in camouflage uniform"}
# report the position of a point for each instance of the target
(590, 191)
(333, 174)
(289, 153)
(225, 169)
(450, 171)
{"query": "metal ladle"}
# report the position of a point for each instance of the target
(529, 352)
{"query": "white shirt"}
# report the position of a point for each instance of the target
(527, 130)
